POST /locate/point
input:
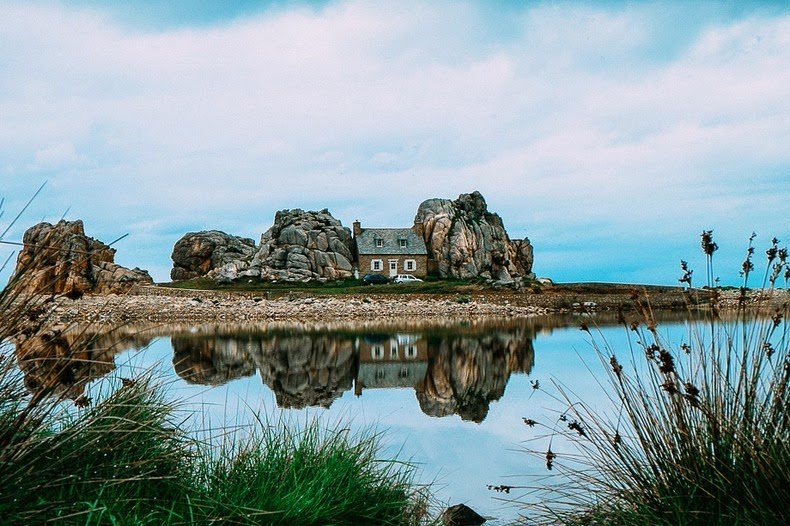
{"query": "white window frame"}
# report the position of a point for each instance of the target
(379, 242)
(410, 265)
(377, 351)
(402, 242)
(377, 265)
(411, 351)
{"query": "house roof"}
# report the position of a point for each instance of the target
(366, 242)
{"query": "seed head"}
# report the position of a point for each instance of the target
(616, 367)
(550, 456)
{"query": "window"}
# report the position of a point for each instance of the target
(376, 264)
(411, 351)
(410, 265)
(377, 351)
(402, 242)
(394, 266)
(379, 242)
(394, 350)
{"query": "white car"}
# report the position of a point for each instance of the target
(405, 278)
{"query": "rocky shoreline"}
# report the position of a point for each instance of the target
(164, 305)
(199, 308)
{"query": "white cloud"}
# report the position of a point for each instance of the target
(369, 109)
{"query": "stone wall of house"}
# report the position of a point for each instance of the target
(420, 271)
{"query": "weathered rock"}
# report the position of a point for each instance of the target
(461, 515)
(61, 259)
(203, 253)
(467, 241)
(304, 246)
(524, 257)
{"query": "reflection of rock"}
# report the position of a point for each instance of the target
(212, 361)
(61, 259)
(307, 370)
(466, 240)
(61, 363)
(200, 253)
(466, 373)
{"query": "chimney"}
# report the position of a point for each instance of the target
(357, 228)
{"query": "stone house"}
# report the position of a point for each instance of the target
(390, 251)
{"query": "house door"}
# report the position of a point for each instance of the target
(393, 267)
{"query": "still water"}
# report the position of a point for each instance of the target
(450, 397)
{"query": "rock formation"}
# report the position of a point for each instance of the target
(467, 241)
(303, 246)
(61, 259)
(199, 254)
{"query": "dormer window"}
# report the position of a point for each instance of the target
(402, 242)
(379, 242)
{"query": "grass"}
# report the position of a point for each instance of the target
(129, 457)
(340, 287)
(127, 460)
(696, 434)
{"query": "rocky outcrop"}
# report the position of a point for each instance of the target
(523, 257)
(300, 246)
(61, 259)
(200, 254)
(467, 241)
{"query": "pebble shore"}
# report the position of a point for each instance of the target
(160, 305)
(155, 308)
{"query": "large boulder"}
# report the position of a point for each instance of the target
(467, 241)
(200, 254)
(300, 246)
(61, 259)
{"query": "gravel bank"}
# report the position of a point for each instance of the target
(166, 305)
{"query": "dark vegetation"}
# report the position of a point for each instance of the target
(340, 287)
(130, 457)
(697, 433)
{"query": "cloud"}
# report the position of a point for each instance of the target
(582, 127)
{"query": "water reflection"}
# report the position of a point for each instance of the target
(453, 368)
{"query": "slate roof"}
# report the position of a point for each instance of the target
(366, 242)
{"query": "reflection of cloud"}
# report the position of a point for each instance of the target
(321, 107)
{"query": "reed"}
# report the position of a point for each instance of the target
(696, 433)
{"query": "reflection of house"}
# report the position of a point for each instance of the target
(399, 360)
(390, 251)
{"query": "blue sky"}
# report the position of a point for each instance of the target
(610, 134)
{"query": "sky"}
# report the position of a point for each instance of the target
(609, 133)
